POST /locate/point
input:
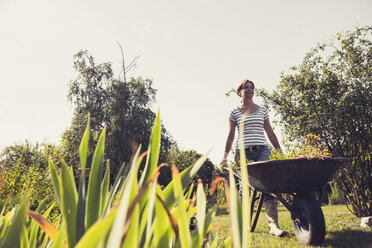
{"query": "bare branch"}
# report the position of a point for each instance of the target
(123, 61)
(132, 64)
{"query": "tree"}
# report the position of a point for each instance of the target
(183, 159)
(22, 167)
(123, 107)
(330, 94)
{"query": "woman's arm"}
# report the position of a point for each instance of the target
(271, 135)
(229, 141)
(231, 136)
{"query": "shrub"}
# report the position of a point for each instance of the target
(146, 215)
(26, 166)
(334, 195)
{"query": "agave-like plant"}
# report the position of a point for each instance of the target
(239, 209)
(144, 215)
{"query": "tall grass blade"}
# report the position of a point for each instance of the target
(34, 225)
(201, 207)
(245, 201)
(190, 191)
(234, 213)
(4, 223)
(34, 228)
(186, 177)
(104, 188)
(94, 186)
(98, 232)
(69, 203)
(13, 233)
(44, 224)
(114, 189)
(208, 220)
(150, 225)
(132, 219)
(24, 237)
(148, 201)
(150, 238)
(130, 231)
(228, 242)
(163, 233)
(154, 149)
(59, 240)
(171, 218)
(246, 222)
(81, 206)
(55, 180)
(151, 209)
(214, 243)
(184, 235)
(128, 192)
(83, 152)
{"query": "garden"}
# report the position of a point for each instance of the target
(97, 189)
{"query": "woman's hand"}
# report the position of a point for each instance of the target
(224, 166)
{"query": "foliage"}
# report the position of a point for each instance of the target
(182, 159)
(218, 199)
(145, 216)
(25, 166)
(123, 107)
(330, 94)
(310, 148)
(334, 196)
(239, 207)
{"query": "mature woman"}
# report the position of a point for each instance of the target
(255, 121)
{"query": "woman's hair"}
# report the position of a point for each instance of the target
(241, 85)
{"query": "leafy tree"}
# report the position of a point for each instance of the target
(330, 94)
(124, 107)
(25, 166)
(182, 159)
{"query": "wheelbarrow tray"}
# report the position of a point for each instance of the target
(293, 175)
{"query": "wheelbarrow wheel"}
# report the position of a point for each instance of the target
(308, 220)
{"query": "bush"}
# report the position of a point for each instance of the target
(146, 215)
(218, 199)
(330, 94)
(25, 166)
(334, 195)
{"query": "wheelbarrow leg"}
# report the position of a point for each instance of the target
(255, 196)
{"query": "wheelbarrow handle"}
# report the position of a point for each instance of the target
(234, 173)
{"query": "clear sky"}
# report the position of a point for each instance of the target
(194, 51)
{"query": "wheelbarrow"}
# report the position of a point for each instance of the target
(298, 179)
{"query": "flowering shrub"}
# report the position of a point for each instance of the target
(311, 147)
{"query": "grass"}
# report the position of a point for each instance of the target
(342, 230)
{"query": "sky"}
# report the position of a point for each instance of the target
(194, 51)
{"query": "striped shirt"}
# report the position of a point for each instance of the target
(253, 129)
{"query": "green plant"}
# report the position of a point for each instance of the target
(145, 216)
(239, 209)
(334, 196)
(183, 158)
(218, 199)
(24, 166)
(330, 94)
(124, 106)
(310, 148)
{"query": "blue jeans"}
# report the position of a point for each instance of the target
(263, 154)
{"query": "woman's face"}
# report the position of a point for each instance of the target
(247, 90)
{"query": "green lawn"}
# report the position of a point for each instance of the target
(342, 230)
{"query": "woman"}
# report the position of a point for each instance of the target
(256, 121)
